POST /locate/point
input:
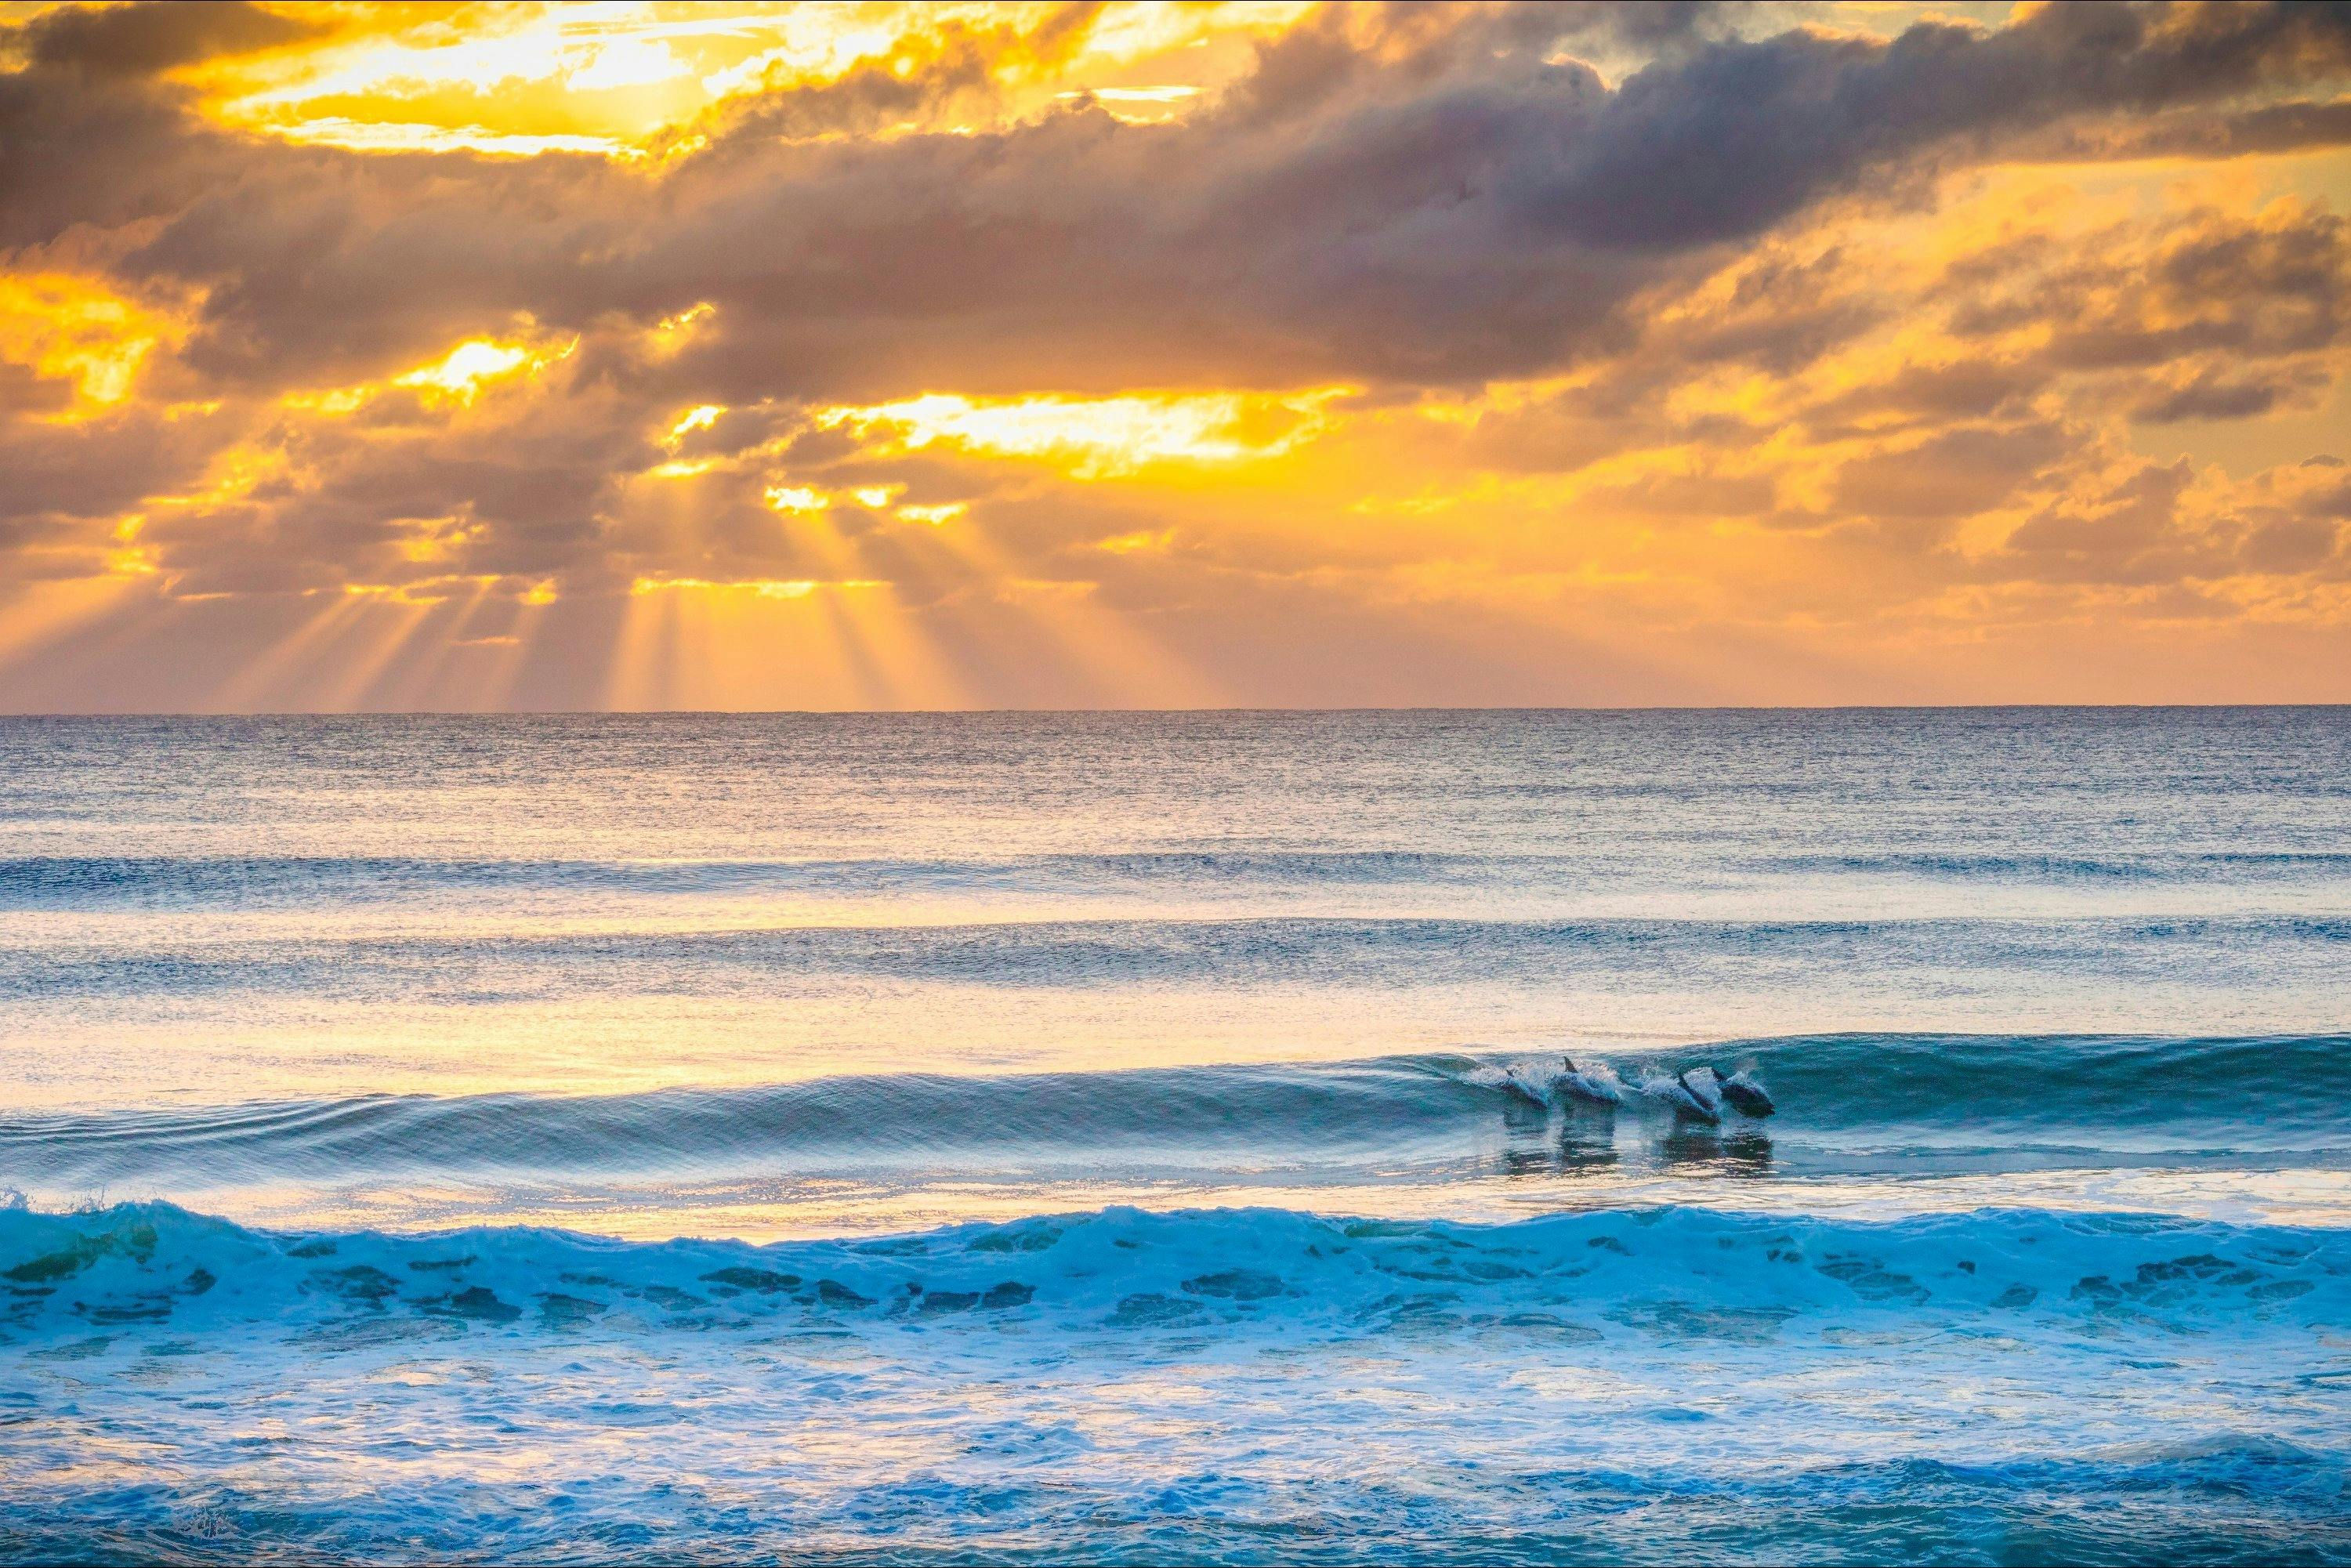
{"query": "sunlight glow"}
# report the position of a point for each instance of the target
(797, 498)
(68, 329)
(460, 376)
(627, 79)
(1096, 437)
(693, 419)
(671, 332)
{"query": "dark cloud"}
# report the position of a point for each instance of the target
(100, 468)
(1954, 474)
(2300, 126)
(2202, 282)
(77, 155)
(2140, 531)
(1738, 136)
(2212, 396)
(2334, 505)
(2131, 533)
(520, 494)
(2289, 545)
(1434, 201)
(148, 36)
(1963, 391)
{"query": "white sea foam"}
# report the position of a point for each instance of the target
(1687, 1356)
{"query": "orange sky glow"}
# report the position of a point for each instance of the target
(644, 355)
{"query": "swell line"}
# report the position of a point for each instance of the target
(1867, 1097)
(99, 881)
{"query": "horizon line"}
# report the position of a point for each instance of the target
(1106, 712)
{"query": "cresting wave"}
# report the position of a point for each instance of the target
(1847, 1101)
(1659, 1384)
(1680, 1274)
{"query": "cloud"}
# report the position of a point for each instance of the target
(1738, 135)
(146, 38)
(2209, 396)
(2299, 126)
(1654, 317)
(1452, 205)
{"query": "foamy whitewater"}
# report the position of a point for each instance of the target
(1144, 1137)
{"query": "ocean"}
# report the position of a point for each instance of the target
(1143, 1138)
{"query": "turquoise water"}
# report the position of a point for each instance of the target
(1036, 1137)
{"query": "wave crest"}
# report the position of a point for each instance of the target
(1687, 1273)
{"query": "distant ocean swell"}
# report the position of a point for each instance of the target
(1872, 1096)
(1385, 953)
(34, 882)
(1682, 1276)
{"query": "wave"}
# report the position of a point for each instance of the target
(32, 881)
(1860, 1103)
(2234, 1497)
(1982, 1082)
(919, 1118)
(2155, 866)
(1017, 954)
(1224, 1384)
(99, 881)
(1692, 1274)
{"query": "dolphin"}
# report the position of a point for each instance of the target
(1694, 1094)
(1601, 1088)
(1747, 1097)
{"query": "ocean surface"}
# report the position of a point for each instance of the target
(1143, 1137)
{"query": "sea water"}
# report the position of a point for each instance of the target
(1143, 1137)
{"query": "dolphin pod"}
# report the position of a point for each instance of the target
(1701, 1093)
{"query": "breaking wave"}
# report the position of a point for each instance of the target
(1683, 1274)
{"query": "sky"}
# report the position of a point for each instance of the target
(645, 356)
